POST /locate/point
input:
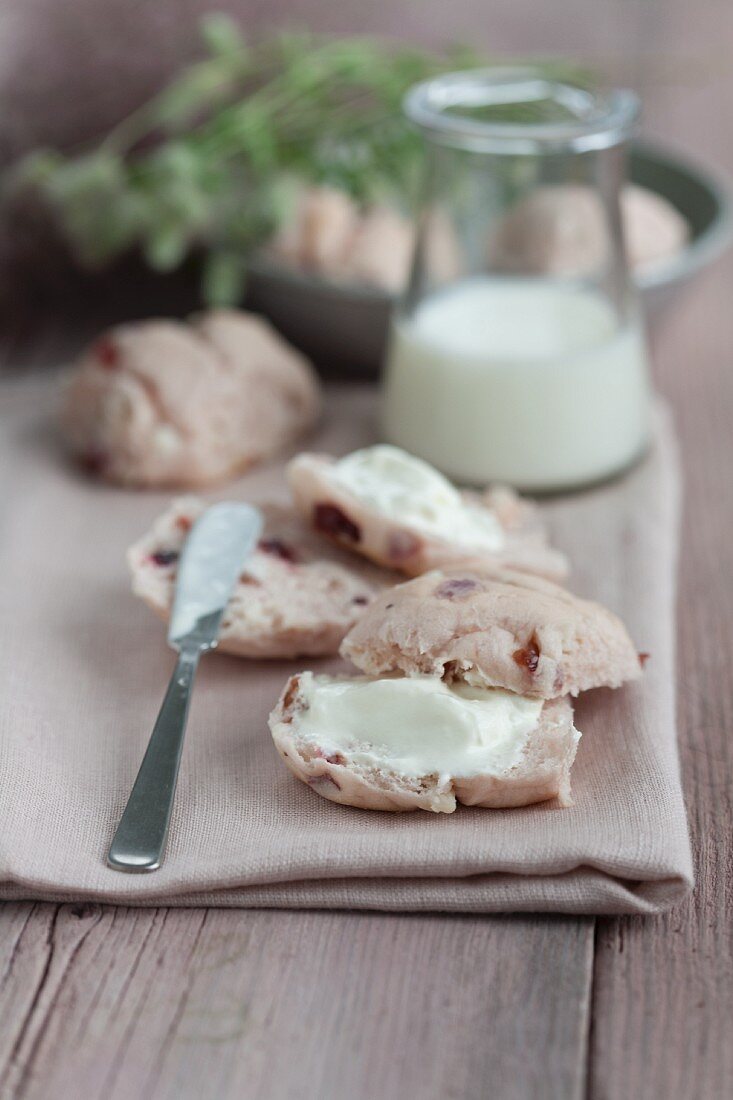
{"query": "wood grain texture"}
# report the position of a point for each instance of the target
(164, 1004)
(120, 1004)
(663, 989)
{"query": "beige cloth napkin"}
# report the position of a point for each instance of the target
(83, 666)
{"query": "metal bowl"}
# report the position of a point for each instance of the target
(344, 328)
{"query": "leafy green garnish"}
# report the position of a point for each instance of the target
(207, 165)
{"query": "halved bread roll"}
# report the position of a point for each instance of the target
(398, 511)
(493, 628)
(405, 744)
(296, 596)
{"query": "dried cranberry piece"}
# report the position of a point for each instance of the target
(291, 692)
(107, 353)
(330, 519)
(402, 545)
(93, 462)
(458, 587)
(277, 549)
(643, 658)
(529, 655)
(247, 578)
(164, 557)
(183, 523)
(331, 758)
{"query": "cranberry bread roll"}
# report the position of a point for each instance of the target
(295, 596)
(466, 698)
(328, 234)
(163, 403)
(319, 234)
(494, 628)
(409, 744)
(398, 511)
(560, 229)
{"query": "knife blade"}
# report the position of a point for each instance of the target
(219, 543)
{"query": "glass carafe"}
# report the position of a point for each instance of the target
(517, 353)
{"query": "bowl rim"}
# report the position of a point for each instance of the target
(708, 245)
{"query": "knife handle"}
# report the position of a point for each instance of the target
(139, 842)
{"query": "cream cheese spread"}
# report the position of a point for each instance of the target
(407, 490)
(417, 726)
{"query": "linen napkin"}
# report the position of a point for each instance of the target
(83, 666)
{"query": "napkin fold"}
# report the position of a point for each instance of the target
(83, 666)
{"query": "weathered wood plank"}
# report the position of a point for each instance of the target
(663, 989)
(147, 1003)
(271, 1004)
(663, 1001)
(24, 937)
(37, 961)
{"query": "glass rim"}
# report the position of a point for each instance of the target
(598, 120)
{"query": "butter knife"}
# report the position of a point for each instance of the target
(213, 555)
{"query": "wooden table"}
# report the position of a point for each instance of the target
(124, 1003)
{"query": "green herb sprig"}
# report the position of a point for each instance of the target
(209, 164)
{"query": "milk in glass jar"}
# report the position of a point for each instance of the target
(517, 353)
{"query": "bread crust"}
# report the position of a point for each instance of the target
(296, 596)
(493, 628)
(407, 549)
(542, 774)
